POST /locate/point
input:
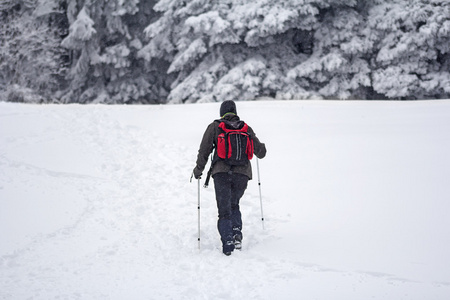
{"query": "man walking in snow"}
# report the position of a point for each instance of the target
(230, 171)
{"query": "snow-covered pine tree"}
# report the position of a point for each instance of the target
(104, 37)
(412, 58)
(32, 63)
(339, 67)
(233, 49)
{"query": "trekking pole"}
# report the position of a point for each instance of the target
(260, 197)
(198, 209)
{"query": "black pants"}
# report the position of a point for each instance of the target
(229, 187)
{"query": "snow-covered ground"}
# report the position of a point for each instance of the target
(96, 203)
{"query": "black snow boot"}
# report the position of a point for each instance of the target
(238, 241)
(228, 248)
(226, 235)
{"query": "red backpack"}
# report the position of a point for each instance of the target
(234, 144)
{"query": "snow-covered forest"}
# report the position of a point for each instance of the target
(179, 51)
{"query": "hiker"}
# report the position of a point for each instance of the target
(230, 171)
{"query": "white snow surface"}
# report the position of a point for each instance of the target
(96, 203)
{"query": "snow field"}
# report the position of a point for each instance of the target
(95, 203)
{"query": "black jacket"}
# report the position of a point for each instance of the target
(209, 142)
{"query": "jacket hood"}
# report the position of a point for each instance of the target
(232, 121)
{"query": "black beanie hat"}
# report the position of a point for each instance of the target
(227, 106)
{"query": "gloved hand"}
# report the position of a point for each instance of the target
(197, 173)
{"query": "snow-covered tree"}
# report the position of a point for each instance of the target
(233, 49)
(412, 56)
(32, 64)
(381, 49)
(339, 67)
(104, 37)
